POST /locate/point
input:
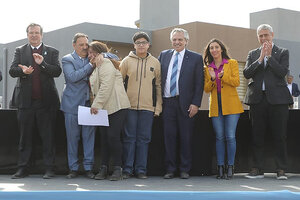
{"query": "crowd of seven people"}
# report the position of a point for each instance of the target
(140, 87)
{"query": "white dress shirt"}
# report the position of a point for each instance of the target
(32, 47)
(168, 81)
(265, 63)
(290, 87)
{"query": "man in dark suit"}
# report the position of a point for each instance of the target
(35, 64)
(269, 98)
(293, 87)
(182, 90)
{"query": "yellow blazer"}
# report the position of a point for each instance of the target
(107, 89)
(231, 103)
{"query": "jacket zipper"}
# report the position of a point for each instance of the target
(138, 104)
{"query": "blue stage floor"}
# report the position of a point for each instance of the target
(148, 195)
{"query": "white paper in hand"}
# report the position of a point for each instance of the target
(86, 118)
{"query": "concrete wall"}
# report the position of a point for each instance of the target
(119, 37)
(238, 40)
(285, 24)
(294, 50)
(156, 14)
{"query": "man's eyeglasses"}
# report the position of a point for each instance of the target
(141, 43)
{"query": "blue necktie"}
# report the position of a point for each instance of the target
(173, 88)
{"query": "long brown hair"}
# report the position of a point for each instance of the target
(208, 59)
(100, 47)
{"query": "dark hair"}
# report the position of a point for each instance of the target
(208, 57)
(78, 35)
(139, 35)
(33, 25)
(100, 47)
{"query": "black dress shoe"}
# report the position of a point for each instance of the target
(117, 174)
(48, 174)
(141, 176)
(169, 175)
(184, 175)
(72, 174)
(89, 174)
(21, 173)
(230, 172)
(102, 174)
(126, 175)
(221, 172)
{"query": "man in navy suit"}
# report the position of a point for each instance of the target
(35, 65)
(293, 87)
(182, 90)
(77, 68)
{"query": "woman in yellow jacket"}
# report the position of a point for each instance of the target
(108, 93)
(221, 80)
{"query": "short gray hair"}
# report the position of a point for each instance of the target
(186, 34)
(264, 27)
(33, 25)
(78, 35)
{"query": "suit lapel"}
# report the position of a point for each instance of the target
(274, 51)
(44, 50)
(166, 63)
(78, 61)
(168, 59)
(184, 62)
(257, 53)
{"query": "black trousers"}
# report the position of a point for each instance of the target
(40, 117)
(264, 115)
(178, 130)
(111, 145)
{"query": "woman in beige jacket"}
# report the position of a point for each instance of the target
(108, 93)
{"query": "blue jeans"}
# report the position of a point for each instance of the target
(136, 138)
(225, 127)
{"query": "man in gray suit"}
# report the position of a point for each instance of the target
(268, 97)
(77, 68)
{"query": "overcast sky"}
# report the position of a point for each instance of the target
(15, 15)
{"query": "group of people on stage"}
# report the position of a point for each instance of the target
(140, 87)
